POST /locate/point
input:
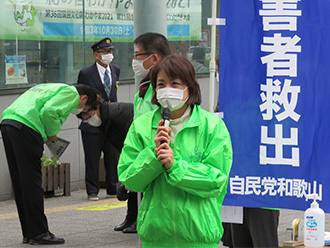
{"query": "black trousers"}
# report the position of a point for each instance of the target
(259, 228)
(94, 144)
(132, 207)
(227, 239)
(24, 148)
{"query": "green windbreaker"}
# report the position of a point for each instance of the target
(44, 107)
(143, 105)
(180, 206)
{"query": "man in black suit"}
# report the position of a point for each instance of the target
(101, 76)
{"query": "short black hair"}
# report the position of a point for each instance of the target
(84, 89)
(154, 43)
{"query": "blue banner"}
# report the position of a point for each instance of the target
(274, 92)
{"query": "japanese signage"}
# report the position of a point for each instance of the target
(16, 70)
(273, 94)
(62, 20)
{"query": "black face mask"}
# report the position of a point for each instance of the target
(79, 116)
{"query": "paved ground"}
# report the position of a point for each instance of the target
(90, 224)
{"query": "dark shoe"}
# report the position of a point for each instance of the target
(93, 197)
(46, 239)
(123, 225)
(130, 229)
(25, 240)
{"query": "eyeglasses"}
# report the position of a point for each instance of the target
(136, 55)
(104, 51)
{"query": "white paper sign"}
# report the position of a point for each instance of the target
(230, 214)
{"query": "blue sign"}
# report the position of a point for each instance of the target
(92, 30)
(76, 29)
(274, 92)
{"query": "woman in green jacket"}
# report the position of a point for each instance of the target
(184, 179)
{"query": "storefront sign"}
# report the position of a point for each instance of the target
(274, 93)
(62, 20)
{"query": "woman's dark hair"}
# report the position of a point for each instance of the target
(91, 94)
(154, 43)
(178, 67)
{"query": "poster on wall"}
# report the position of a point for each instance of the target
(16, 70)
(58, 20)
(274, 95)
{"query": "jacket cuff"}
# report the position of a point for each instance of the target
(176, 173)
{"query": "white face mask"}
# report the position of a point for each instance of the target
(94, 121)
(77, 111)
(171, 98)
(107, 58)
(138, 68)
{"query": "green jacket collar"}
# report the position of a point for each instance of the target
(194, 120)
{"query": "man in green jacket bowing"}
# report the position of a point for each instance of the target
(35, 117)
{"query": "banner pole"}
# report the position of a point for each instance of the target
(212, 66)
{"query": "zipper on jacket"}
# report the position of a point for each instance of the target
(175, 241)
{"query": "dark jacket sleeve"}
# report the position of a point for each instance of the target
(116, 120)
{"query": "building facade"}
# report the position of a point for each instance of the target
(48, 41)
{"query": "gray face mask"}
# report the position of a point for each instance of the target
(94, 121)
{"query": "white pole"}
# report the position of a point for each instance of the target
(212, 66)
(144, 11)
(16, 45)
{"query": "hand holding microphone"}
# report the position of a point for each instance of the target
(162, 140)
(166, 114)
(163, 130)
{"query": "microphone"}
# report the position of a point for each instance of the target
(166, 114)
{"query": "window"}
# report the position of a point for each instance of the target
(44, 42)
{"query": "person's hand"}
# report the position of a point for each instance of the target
(163, 134)
(165, 155)
(164, 151)
(51, 138)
